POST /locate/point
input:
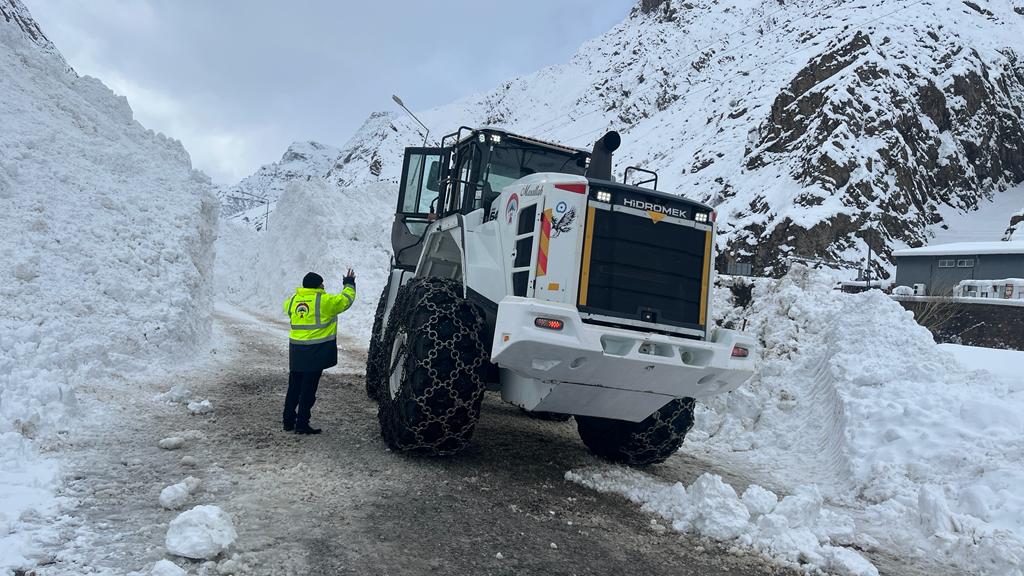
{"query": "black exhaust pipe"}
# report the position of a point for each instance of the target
(601, 158)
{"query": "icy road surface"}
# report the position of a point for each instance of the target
(341, 503)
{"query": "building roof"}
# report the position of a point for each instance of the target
(964, 249)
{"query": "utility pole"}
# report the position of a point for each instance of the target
(402, 104)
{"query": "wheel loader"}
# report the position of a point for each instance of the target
(523, 267)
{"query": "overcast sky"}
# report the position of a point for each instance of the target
(237, 81)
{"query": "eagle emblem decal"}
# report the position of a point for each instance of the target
(563, 223)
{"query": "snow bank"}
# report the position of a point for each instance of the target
(106, 256)
(855, 397)
(315, 227)
(200, 533)
(796, 530)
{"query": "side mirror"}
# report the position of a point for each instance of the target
(432, 175)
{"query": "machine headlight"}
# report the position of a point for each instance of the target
(604, 196)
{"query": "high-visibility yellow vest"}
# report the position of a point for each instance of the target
(314, 314)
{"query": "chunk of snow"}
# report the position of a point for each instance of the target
(716, 510)
(758, 500)
(172, 443)
(166, 568)
(203, 407)
(178, 394)
(795, 530)
(175, 496)
(189, 461)
(200, 533)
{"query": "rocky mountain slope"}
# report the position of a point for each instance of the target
(810, 126)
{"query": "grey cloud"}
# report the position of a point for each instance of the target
(238, 81)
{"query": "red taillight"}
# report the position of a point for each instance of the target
(714, 215)
(740, 352)
(549, 323)
(577, 188)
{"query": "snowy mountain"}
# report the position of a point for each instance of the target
(302, 160)
(804, 123)
(106, 256)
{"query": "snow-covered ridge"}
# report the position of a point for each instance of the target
(107, 256)
(301, 161)
(800, 122)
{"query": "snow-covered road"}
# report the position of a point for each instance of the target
(340, 503)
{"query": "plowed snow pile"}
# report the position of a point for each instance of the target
(854, 397)
(315, 227)
(106, 257)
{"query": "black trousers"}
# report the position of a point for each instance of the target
(301, 396)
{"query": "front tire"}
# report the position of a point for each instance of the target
(376, 355)
(435, 373)
(649, 441)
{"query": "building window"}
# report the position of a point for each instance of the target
(947, 263)
(739, 268)
(968, 263)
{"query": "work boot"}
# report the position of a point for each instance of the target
(289, 426)
(307, 429)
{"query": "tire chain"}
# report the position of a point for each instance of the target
(376, 356)
(438, 402)
(650, 441)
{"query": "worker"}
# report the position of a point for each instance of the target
(313, 345)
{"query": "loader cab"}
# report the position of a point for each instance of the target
(465, 174)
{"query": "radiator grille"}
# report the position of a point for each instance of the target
(645, 271)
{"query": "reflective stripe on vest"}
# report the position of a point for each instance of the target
(317, 341)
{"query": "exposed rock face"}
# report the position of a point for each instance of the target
(894, 135)
(1015, 231)
(14, 11)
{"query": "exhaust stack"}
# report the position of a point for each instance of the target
(601, 158)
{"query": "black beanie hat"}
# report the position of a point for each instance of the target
(312, 280)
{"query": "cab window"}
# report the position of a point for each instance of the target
(419, 188)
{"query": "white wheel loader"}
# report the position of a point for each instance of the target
(521, 266)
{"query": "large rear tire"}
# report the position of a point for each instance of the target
(376, 355)
(649, 441)
(436, 369)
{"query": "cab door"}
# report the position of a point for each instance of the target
(417, 203)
